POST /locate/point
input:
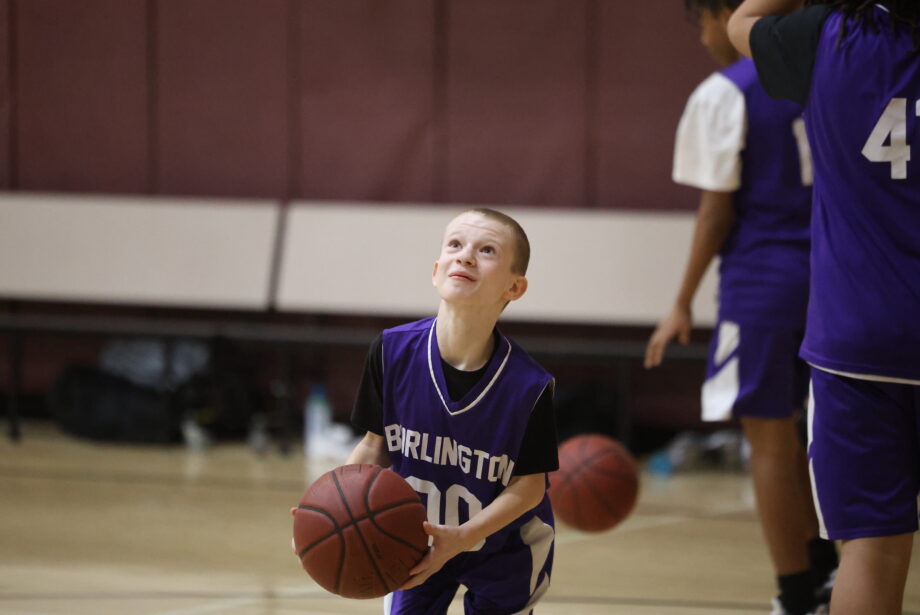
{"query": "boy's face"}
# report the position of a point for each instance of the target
(714, 36)
(475, 263)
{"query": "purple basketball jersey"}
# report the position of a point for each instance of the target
(459, 455)
(863, 126)
(764, 268)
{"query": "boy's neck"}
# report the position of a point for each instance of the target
(465, 336)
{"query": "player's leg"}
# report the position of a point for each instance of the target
(754, 374)
(777, 457)
(872, 575)
(433, 597)
(513, 580)
(864, 449)
(783, 503)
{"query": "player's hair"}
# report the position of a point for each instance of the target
(695, 7)
(904, 14)
(521, 243)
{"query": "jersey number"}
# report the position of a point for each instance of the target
(891, 127)
(451, 509)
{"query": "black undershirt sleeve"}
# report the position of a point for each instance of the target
(784, 48)
(367, 414)
(538, 449)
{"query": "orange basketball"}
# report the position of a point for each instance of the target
(596, 485)
(358, 531)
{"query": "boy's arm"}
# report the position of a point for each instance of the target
(745, 16)
(367, 413)
(522, 494)
(371, 449)
(714, 222)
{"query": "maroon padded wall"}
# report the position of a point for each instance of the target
(82, 95)
(565, 103)
(366, 99)
(649, 61)
(516, 102)
(5, 97)
(221, 114)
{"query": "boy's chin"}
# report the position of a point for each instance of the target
(466, 301)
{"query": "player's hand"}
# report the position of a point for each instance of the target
(448, 542)
(677, 324)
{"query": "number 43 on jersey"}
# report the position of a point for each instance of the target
(891, 127)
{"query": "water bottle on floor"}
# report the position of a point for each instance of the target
(317, 418)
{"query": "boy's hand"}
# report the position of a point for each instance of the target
(677, 324)
(448, 542)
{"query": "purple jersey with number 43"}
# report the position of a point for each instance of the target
(459, 455)
(863, 122)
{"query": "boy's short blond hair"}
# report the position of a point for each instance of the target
(521, 243)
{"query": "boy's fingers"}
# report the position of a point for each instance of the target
(654, 353)
(648, 355)
(414, 580)
(432, 529)
(422, 565)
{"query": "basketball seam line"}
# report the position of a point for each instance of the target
(367, 505)
(370, 555)
(337, 530)
(398, 539)
(340, 528)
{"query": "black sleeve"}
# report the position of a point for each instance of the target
(784, 48)
(538, 450)
(367, 415)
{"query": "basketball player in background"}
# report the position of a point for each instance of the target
(748, 155)
(855, 66)
(466, 417)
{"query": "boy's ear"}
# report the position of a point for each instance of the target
(434, 273)
(517, 289)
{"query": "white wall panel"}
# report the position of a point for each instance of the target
(613, 267)
(137, 250)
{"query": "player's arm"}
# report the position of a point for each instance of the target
(714, 222)
(745, 16)
(537, 456)
(367, 413)
(371, 449)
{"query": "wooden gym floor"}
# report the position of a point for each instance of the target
(111, 529)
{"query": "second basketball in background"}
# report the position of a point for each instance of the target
(596, 485)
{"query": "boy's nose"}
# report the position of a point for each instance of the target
(465, 257)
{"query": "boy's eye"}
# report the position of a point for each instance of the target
(488, 250)
(453, 243)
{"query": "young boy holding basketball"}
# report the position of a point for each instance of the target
(466, 417)
(747, 153)
(855, 66)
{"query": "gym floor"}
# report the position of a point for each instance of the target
(110, 529)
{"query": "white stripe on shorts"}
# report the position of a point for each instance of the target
(539, 537)
(721, 390)
(811, 469)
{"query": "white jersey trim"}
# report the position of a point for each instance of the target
(869, 377)
(710, 137)
(434, 380)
